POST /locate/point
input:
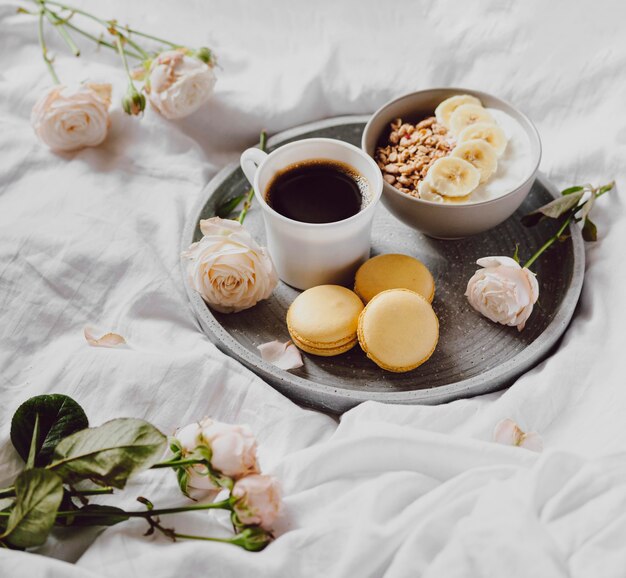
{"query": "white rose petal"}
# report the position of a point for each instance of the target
(228, 268)
(70, 118)
(106, 340)
(503, 291)
(258, 500)
(508, 433)
(283, 355)
(179, 84)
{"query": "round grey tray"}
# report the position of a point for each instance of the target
(474, 356)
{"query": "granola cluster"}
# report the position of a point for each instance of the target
(405, 161)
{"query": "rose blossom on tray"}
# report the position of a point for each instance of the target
(226, 266)
(51, 434)
(177, 79)
(505, 291)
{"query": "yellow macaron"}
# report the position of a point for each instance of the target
(393, 271)
(398, 330)
(323, 320)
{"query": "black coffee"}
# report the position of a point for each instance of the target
(317, 191)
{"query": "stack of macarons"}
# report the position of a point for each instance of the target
(397, 327)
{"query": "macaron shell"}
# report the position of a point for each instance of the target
(323, 320)
(324, 351)
(398, 330)
(393, 271)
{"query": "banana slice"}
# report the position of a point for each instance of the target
(452, 177)
(427, 193)
(445, 109)
(479, 154)
(466, 115)
(491, 133)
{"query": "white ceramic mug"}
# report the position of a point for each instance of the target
(310, 254)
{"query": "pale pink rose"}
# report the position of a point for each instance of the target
(233, 449)
(503, 291)
(258, 500)
(179, 84)
(70, 118)
(228, 268)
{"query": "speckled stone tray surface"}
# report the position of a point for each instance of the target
(474, 356)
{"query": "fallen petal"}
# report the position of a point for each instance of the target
(107, 340)
(532, 441)
(508, 433)
(282, 355)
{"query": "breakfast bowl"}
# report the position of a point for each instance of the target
(490, 204)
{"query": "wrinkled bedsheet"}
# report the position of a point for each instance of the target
(92, 238)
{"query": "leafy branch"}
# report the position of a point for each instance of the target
(574, 205)
(52, 435)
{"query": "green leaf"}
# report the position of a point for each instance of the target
(109, 454)
(38, 494)
(590, 231)
(59, 416)
(99, 515)
(32, 451)
(572, 190)
(226, 208)
(605, 188)
(554, 209)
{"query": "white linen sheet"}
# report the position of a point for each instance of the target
(92, 238)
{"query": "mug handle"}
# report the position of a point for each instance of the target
(251, 160)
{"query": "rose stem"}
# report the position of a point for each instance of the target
(91, 37)
(112, 24)
(60, 27)
(174, 463)
(44, 49)
(550, 241)
(10, 492)
(120, 49)
(250, 195)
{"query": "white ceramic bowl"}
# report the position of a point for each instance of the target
(448, 221)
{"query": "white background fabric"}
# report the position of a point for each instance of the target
(93, 238)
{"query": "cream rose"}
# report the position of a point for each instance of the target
(228, 268)
(503, 291)
(179, 84)
(233, 450)
(257, 500)
(70, 118)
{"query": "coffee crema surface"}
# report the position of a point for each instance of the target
(318, 191)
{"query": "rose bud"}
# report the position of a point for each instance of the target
(179, 84)
(227, 267)
(233, 450)
(204, 54)
(256, 500)
(70, 118)
(133, 103)
(503, 291)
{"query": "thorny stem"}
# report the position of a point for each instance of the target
(44, 49)
(248, 202)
